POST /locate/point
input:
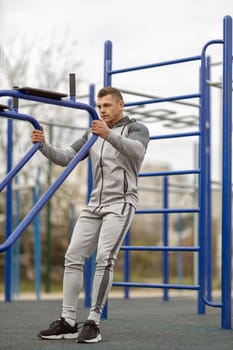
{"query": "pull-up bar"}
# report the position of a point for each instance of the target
(48, 97)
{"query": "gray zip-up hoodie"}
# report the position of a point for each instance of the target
(116, 161)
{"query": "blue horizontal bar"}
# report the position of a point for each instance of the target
(164, 99)
(47, 195)
(170, 136)
(63, 103)
(154, 65)
(161, 211)
(166, 173)
(155, 285)
(160, 248)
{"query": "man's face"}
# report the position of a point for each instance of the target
(110, 109)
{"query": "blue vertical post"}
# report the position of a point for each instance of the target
(89, 267)
(37, 245)
(107, 63)
(16, 247)
(107, 82)
(165, 237)
(9, 212)
(8, 226)
(227, 174)
(208, 192)
(48, 224)
(202, 187)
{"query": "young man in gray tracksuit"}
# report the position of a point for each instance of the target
(116, 159)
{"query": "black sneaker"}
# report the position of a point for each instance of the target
(90, 333)
(60, 329)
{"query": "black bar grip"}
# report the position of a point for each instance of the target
(15, 100)
(72, 84)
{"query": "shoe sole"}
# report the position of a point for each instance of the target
(95, 340)
(59, 336)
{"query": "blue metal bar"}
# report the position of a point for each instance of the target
(171, 136)
(161, 211)
(89, 266)
(47, 195)
(211, 303)
(203, 183)
(161, 248)
(208, 192)
(155, 285)
(14, 171)
(107, 63)
(201, 278)
(154, 65)
(8, 225)
(16, 248)
(37, 244)
(159, 100)
(165, 237)
(20, 116)
(174, 172)
(227, 174)
(48, 241)
(62, 103)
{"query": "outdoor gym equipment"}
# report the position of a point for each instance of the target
(48, 97)
(203, 248)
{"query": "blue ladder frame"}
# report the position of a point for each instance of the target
(204, 208)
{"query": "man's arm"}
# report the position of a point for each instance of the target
(135, 144)
(56, 155)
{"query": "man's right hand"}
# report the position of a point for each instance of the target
(38, 136)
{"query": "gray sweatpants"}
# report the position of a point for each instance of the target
(103, 229)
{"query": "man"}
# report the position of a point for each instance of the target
(116, 158)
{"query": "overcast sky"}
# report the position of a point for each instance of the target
(142, 32)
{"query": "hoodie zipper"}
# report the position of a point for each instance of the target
(102, 172)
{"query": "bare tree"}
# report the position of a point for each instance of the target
(43, 67)
(46, 67)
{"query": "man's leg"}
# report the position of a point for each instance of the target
(114, 228)
(82, 245)
(115, 224)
